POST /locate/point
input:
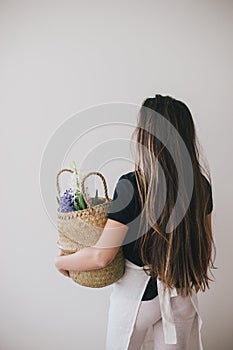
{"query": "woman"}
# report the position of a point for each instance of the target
(161, 214)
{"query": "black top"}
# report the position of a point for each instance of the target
(126, 209)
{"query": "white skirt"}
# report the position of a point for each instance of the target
(125, 300)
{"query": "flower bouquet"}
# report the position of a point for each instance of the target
(81, 220)
(72, 199)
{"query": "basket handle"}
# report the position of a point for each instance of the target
(104, 183)
(82, 184)
(58, 174)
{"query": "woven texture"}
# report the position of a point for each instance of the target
(83, 228)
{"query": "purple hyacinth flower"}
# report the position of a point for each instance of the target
(67, 202)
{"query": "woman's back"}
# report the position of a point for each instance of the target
(131, 209)
(166, 199)
(166, 203)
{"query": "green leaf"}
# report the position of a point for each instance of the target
(95, 201)
(81, 201)
(58, 200)
(76, 205)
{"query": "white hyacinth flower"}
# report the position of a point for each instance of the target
(76, 178)
(72, 182)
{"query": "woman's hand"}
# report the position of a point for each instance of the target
(56, 261)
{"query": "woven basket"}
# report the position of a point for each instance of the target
(83, 228)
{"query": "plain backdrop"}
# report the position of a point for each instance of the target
(60, 57)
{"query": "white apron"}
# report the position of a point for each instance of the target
(124, 304)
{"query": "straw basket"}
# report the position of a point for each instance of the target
(83, 228)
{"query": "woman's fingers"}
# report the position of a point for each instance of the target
(64, 272)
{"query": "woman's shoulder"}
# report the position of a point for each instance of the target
(129, 179)
(126, 183)
(130, 175)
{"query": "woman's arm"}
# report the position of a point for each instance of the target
(99, 255)
(83, 260)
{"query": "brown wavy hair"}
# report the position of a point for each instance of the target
(182, 257)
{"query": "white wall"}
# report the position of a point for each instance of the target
(59, 57)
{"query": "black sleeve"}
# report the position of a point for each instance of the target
(210, 200)
(122, 207)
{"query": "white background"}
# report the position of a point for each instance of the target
(58, 57)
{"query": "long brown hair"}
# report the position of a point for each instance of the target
(182, 257)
